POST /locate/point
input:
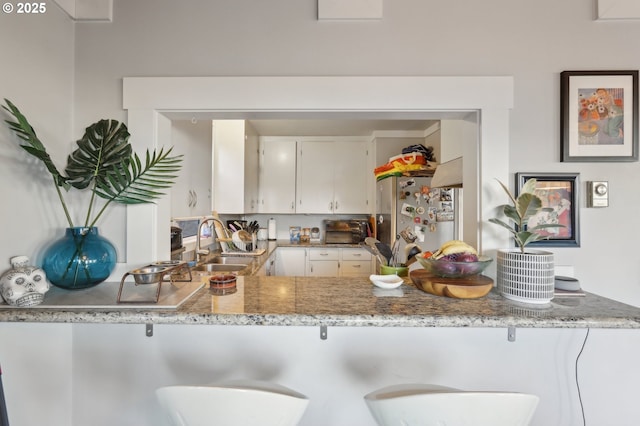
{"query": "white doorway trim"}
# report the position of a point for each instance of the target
(152, 102)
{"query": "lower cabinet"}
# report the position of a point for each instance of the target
(322, 262)
(291, 261)
(355, 262)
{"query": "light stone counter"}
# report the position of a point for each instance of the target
(342, 301)
(305, 301)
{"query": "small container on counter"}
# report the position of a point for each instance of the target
(222, 284)
(305, 236)
(294, 234)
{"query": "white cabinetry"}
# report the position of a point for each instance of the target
(332, 177)
(291, 261)
(191, 193)
(355, 262)
(235, 167)
(268, 268)
(277, 175)
(323, 262)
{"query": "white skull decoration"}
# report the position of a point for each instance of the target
(23, 285)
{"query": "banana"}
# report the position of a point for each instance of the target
(453, 247)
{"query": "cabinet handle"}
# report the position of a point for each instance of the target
(293, 205)
(356, 266)
(192, 198)
(357, 254)
(336, 205)
(324, 254)
(331, 206)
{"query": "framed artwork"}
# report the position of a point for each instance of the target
(558, 191)
(599, 116)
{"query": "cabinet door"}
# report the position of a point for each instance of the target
(323, 268)
(228, 166)
(355, 268)
(191, 193)
(352, 177)
(315, 177)
(291, 261)
(277, 183)
(251, 169)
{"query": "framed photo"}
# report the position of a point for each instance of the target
(558, 191)
(599, 116)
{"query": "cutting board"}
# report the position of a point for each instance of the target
(471, 287)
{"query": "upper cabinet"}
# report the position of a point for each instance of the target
(191, 193)
(277, 178)
(333, 177)
(235, 167)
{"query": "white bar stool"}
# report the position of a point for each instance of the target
(233, 403)
(433, 405)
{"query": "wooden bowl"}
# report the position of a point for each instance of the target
(470, 287)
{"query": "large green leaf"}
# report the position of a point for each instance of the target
(528, 204)
(34, 146)
(524, 207)
(105, 145)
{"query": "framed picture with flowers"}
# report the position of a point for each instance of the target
(599, 116)
(559, 194)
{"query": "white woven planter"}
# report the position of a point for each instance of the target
(526, 277)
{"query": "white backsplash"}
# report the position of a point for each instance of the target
(284, 221)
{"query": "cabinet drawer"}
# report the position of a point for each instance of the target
(355, 268)
(323, 254)
(355, 254)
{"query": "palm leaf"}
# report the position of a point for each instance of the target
(104, 146)
(34, 146)
(131, 182)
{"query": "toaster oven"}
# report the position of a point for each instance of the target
(345, 231)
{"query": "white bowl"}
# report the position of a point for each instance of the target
(386, 282)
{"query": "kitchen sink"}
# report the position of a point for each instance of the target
(236, 260)
(219, 267)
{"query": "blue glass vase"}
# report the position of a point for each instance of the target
(80, 259)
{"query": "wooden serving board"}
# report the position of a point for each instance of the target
(459, 288)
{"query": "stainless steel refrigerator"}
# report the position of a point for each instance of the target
(407, 208)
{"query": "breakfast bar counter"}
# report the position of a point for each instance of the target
(344, 301)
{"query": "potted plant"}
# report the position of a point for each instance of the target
(105, 165)
(523, 274)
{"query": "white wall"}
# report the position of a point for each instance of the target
(36, 75)
(336, 373)
(65, 76)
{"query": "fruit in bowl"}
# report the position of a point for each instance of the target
(454, 259)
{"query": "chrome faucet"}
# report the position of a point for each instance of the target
(200, 251)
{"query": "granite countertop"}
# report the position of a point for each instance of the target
(346, 301)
